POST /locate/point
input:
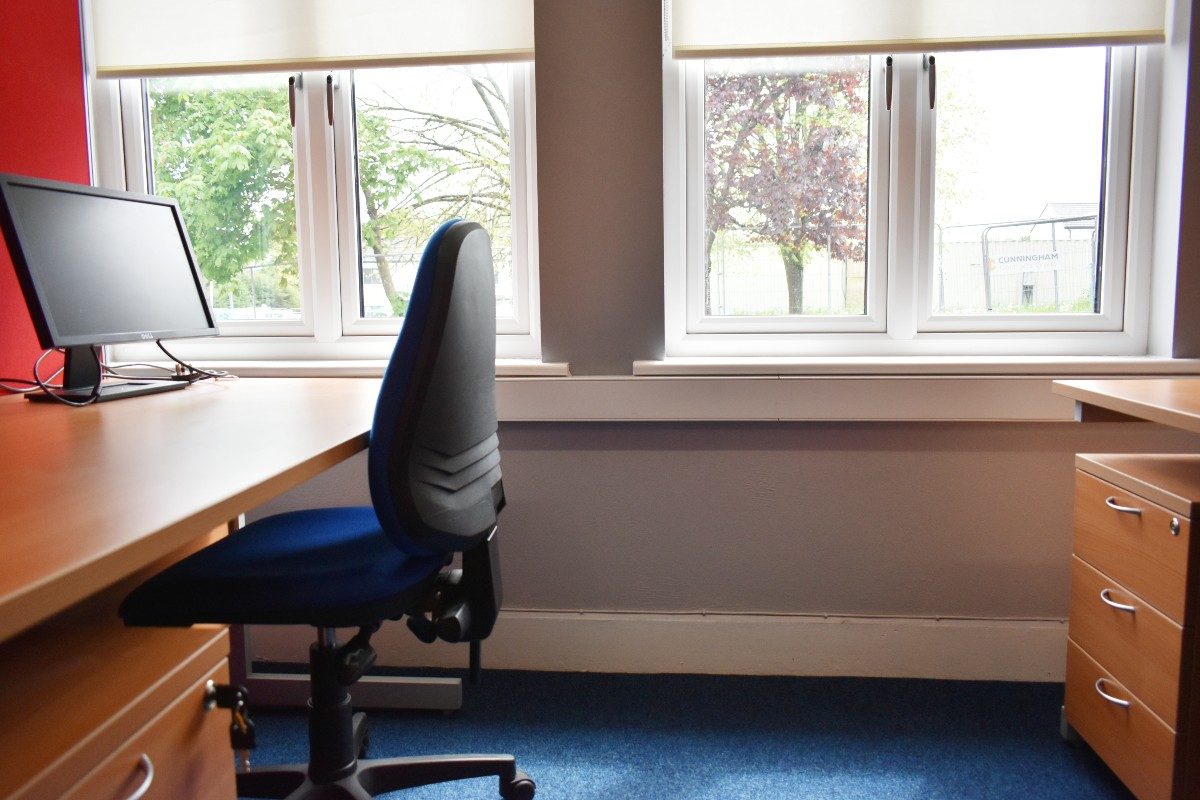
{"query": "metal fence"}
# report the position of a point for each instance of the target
(757, 286)
(1025, 266)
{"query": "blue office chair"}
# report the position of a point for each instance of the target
(434, 473)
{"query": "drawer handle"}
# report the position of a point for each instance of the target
(148, 767)
(1118, 606)
(1111, 502)
(1116, 701)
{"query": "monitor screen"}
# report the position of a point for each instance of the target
(99, 266)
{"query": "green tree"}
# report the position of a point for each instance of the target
(419, 166)
(387, 166)
(224, 151)
(225, 154)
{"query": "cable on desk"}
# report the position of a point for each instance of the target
(193, 373)
(49, 390)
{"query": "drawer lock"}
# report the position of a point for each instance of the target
(1174, 526)
(241, 730)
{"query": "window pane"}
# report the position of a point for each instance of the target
(1019, 181)
(432, 143)
(785, 171)
(222, 147)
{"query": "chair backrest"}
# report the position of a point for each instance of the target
(434, 458)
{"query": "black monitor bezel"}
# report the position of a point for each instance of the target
(43, 323)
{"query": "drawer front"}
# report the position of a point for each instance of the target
(1135, 744)
(1136, 644)
(1137, 549)
(187, 746)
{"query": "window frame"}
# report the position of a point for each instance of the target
(327, 253)
(910, 328)
(878, 174)
(521, 178)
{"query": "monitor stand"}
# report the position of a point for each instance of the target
(81, 368)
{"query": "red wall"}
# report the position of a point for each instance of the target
(43, 132)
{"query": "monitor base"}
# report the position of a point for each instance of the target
(110, 391)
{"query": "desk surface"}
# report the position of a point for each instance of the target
(1168, 401)
(89, 495)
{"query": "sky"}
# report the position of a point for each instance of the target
(1017, 130)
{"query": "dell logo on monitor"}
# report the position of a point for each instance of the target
(146, 336)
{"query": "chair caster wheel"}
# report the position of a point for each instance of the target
(520, 787)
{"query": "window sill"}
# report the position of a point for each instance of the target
(871, 366)
(996, 389)
(369, 368)
(915, 390)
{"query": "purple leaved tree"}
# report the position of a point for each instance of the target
(786, 162)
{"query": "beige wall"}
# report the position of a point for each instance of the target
(769, 529)
(600, 206)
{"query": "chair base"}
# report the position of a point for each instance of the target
(378, 776)
(338, 738)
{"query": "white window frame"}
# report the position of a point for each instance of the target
(326, 229)
(904, 264)
(522, 179)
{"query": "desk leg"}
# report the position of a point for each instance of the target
(372, 691)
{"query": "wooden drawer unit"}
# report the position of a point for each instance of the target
(91, 687)
(186, 747)
(1133, 540)
(93, 701)
(1132, 740)
(1129, 636)
(1133, 654)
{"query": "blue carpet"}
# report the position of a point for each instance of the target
(661, 737)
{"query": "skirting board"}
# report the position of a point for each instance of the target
(732, 644)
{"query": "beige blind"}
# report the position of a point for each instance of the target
(713, 28)
(139, 38)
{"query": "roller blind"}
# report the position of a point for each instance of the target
(713, 28)
(140, 38)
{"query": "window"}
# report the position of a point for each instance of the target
(222, 148)
(1018, 182)
(431, 143)
(309, 196)
(820, 201)
(312, 159)
(785, 169)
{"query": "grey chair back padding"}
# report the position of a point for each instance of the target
(442, 457)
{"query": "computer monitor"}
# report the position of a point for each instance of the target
(98, 267)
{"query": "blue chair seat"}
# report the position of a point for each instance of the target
(328, 567)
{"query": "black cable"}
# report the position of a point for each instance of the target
(45, 387)
(202, 373)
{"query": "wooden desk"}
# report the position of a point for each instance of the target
(1133, 685)
(1169, 401)
(91, 500)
